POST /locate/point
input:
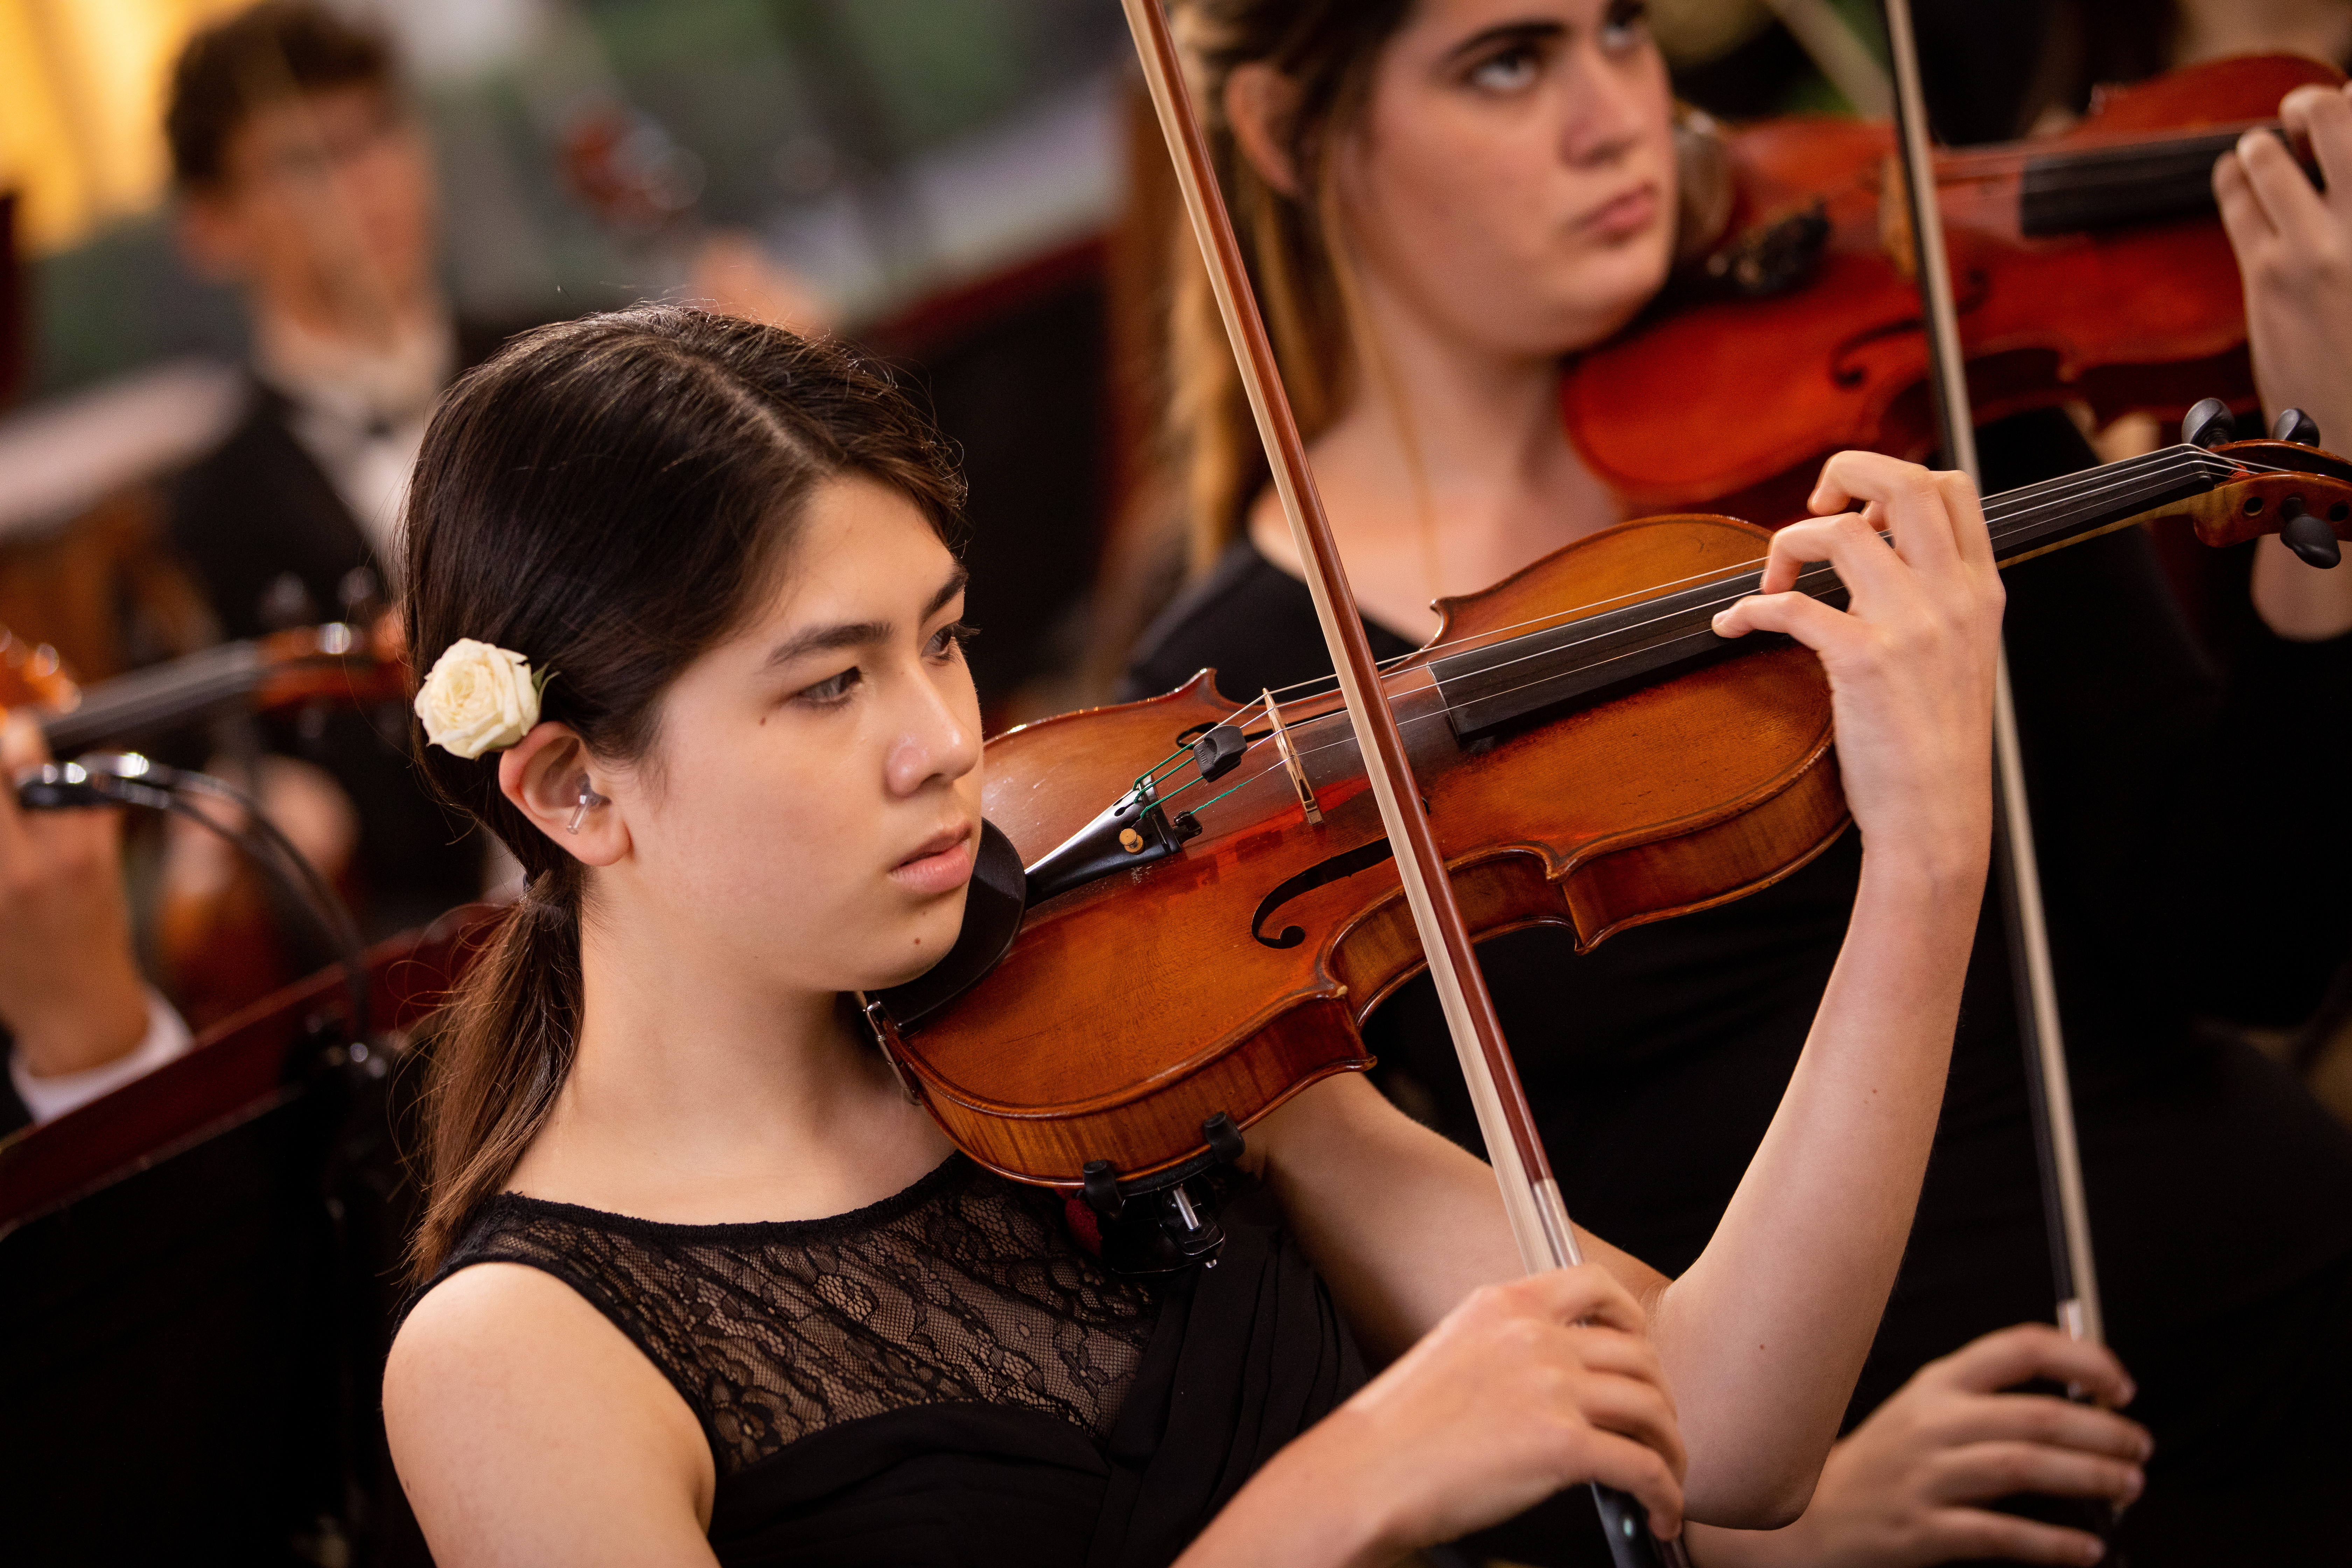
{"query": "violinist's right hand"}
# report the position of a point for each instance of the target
(1524, 1389)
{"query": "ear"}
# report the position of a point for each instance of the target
(1261, 106)
(210, 237)
(543, 777)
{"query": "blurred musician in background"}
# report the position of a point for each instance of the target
(304, 179)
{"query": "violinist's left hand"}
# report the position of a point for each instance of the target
(2294, 251)
(1910, 661)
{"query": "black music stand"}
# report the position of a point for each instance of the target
(197, 1275)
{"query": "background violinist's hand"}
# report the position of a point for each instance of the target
(1899, 1492)
(1524, 1389)
(2294, 251)
(69, 991)
(1910, 663)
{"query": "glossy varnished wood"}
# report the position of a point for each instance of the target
(1132, 1009)
(1734, 402)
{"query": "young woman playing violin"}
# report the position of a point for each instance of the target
(1442, 198)
(703, 1285)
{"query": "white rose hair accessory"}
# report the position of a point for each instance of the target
(479, 698)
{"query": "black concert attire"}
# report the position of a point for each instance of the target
(274, 540)
(2191, 868)
(949, 1376)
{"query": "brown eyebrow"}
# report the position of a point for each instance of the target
(859, 633)
(1530, 31)
(958, 580)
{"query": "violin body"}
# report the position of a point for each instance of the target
(1230, 977)
(2090, 307)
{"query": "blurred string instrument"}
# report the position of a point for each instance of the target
(219, 946)
(2088, 268)
(337, 662)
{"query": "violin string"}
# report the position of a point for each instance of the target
(2167, 470)
(2016, 528)
(2071, 487)
(1321, 685)
(2002, 508)
(2015, 519)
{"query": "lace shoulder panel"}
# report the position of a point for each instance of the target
(965, 1287)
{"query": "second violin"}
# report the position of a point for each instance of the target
(2088, 267)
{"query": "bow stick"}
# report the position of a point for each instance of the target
(1539, 1222)
(2038, 1025)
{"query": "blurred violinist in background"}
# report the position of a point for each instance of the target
(304, 180)
(1442, 201)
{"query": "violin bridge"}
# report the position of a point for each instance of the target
(1291, 765)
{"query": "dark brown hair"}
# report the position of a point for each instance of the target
(274, 51)
(609, 498)
(1327, 49)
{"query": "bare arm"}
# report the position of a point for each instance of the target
(527, 1429)
(1763, 1337)
(1766, 1332)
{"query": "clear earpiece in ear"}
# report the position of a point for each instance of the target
(589, 801)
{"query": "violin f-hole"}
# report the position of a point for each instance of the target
(1338, 868)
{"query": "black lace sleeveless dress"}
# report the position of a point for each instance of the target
(949, 1376)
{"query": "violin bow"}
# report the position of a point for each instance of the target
(1538, 1216)
(2073, 1269)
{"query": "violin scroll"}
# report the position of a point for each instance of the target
(2299, 492)
(2209, 424)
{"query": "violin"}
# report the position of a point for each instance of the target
(1184, 910)
(292, 668)
(2087, 266)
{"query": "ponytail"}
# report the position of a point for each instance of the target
(505, 1047)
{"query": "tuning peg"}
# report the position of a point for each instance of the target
(2304, 532)
(2209, 423)
(2294, 425)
